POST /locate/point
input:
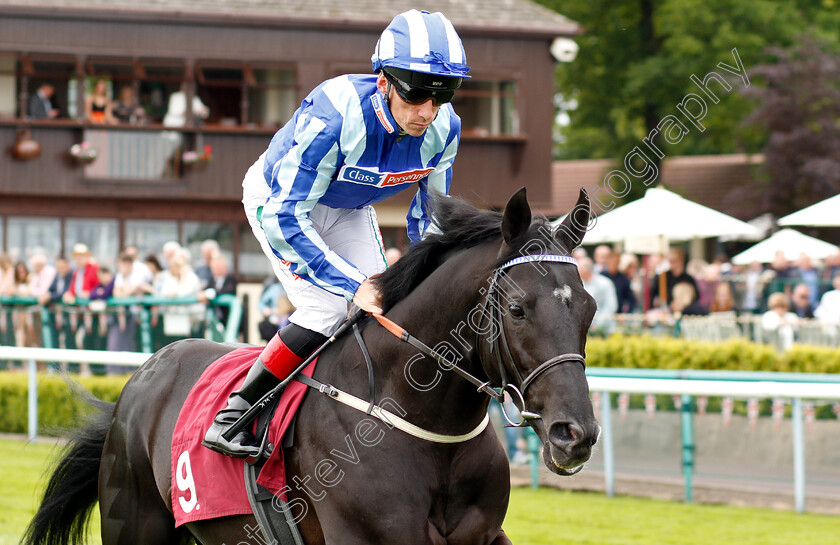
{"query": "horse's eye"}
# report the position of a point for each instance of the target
(516, 310)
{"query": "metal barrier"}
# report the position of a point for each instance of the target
(687, 383)
(794, 386)
(55, 318)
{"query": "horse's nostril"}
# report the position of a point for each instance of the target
(564, 433)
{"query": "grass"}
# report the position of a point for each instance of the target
(536, 517)
(551, 517)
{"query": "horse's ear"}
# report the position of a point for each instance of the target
(570, 232)
(517, 216)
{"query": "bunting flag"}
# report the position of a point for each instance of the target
(810, 413)
(726, 406)
(650, 405)
(778, 410)
(677, 402)
(702, 404)
(623, 406)
(752, 412)
(596, 404)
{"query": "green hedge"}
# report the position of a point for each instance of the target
(735, 355)
(57, 408)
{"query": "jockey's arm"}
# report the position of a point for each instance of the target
(417, 221)
(298, 181)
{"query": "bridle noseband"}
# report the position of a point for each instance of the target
(501, 346)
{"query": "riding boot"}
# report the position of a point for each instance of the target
(275, 361)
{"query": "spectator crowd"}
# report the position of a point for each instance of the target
(665, 288)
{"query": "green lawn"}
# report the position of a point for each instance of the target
(536, 517)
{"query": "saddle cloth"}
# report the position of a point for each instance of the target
(206, 484)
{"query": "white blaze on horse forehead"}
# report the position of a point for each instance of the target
(564, 293)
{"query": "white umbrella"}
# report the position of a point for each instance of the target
(823, 214)
(664, 214)
(792, 243)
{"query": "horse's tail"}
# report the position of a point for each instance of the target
(72, 490)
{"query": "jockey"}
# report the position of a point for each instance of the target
(355, 140)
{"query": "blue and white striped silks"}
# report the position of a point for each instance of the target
(421, 42)
(342, 149)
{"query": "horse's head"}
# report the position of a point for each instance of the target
(543, 314)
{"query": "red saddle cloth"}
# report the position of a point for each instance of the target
(206, 484)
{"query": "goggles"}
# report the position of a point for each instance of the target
(416, 95)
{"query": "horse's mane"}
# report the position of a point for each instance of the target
(460, 226)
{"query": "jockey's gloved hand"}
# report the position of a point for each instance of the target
(368, 297)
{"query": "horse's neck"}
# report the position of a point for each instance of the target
(438, 314)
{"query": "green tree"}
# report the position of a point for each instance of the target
(636, 58)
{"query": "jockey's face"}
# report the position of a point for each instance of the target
(412, 119)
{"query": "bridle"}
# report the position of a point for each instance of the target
(499, 346)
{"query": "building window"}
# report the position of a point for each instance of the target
(100, 235)
(57, 71)
(253, 263)
(27, 235)
(150, 235)
(246, 94)
(487, 107)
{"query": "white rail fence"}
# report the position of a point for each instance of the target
(796, 389)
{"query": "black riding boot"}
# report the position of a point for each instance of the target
(257, 383)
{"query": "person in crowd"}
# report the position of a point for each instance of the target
(40, 104)
(85, 276)
(125, 109)
(662, 286)
(61, 282)
(601, 257)
(152, 286)
(579, 253)
(276, 318)
(624, 293)
(829, 309)
(7, 276)
(98, 104)
(221, 282)
(268, 299)
(22, 279)
(42, 276)
(169, 250)
(105, 287)
(392, 255)
(706, 276)
(176, 111)
(832, 267)
(310, 210)
(684, 301)
(779, 321)
(801, 301)
(808, 275)
(602, 290)
(176, 282)
(723, 300)
(755, 279)
(209, 250)
(141, 274)
(122, 323)
(628, 265)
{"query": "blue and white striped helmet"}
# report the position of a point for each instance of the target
(421, 42)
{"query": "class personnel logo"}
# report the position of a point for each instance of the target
(371, 176)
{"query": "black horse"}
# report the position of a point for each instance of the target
(447, 292)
